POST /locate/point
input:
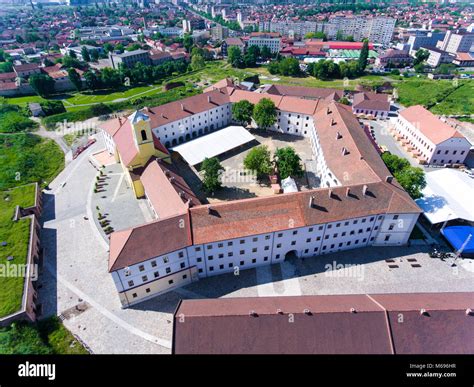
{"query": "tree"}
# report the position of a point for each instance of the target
(364, 56)
(52, 107)
(412, 179)
(420, 56)
(234, 56)
(94, 55)
(197, 62)
(289, 67)
(72, 54)
(85, 54)
(92, 80)
(265, 52)
(242, 112)
(110, 78)
(264, 113)
(108, 47)
(69, 61)
(316, 35)
(42, 84)
(212, 169)
(344, 101)
(6, 67)
(288, 162)
(251, 56)
(258, 160)
(188, 42)
(75, 78)
(339, 35)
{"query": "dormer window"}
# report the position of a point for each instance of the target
(143, 134)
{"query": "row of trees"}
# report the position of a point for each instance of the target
(286, 66)
(239, 60)
(263, 113)
(327, 69)
(412, 179)
(259, 159)
(286, 160)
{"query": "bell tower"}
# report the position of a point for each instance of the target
(142, 135)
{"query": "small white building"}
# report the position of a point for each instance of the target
(429, 139)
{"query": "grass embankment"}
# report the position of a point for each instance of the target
(28, 158)
(16, 235)
(43, 338)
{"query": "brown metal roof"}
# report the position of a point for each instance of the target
(330, 324)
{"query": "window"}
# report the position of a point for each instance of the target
(221, 267)
(242, 263)
(277, 256)
(395, 217)
(308, 240)
(199, 259)
(144, 278)
(242, 252)
(320, 228)
(156, 274)
(220, 245)
(343, 234)
(221, 255)
(326, 237)
(181, 254)
(197, 249)
(209, 247)
(279, 235)
(254, 250)
(141, 268)
(295, 232)
(387, 237)
(230, 243)
(329, 225)
(267, 237)
(185, 276)
(293, 243)
(166, 259)
(182, 265)
(242, 241)
(255, 239)
(153, 263)
(143, 134)
(147, 290)
(131, 283)
(134, 295)
(211, 268)
(170, 282)
(391, 227)
(254, 260)
(168, 270)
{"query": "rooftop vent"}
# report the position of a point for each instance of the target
(338, 136)
(353, 310)
(167, 173)
(330, 193)
(333, 122)
(279, 311)
(389, 179)
(252, 313)
(307, 312)
(209, 99)
(328, 111)
(344, 151)
(311, 201)
(348, 192)
(469, 312)
(209, 209)
(364, 189)
(182, 107)
(424, 312)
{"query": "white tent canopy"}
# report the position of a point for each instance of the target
(213, 144)
(289, 185)
(448, 195)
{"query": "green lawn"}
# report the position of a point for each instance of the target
(47, 337)
(28, 158)
(460, 101)
(16, 235)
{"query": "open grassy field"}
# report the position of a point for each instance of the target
(460, 101)
(47, 337)
(28, 158)
(16, 235)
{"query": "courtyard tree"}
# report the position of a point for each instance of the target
(42, 84)
(288, 162)
(242, 112)
(421, 56)
(211, 168)
(264, 113)
(258, 160)
(412, 179)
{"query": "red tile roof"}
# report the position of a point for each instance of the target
(371, 101)
(329, 324)
(428, 124)
(131, 246)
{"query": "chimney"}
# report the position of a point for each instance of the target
(328, 111)
(182, 107)
(333, 122)
(330, 193)
(389, 179)
(209, 210)
(345, 151)
(311, 201)
(146, 108)
(338, 136)
(364, 189)
(348, 191)
(209, 99)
